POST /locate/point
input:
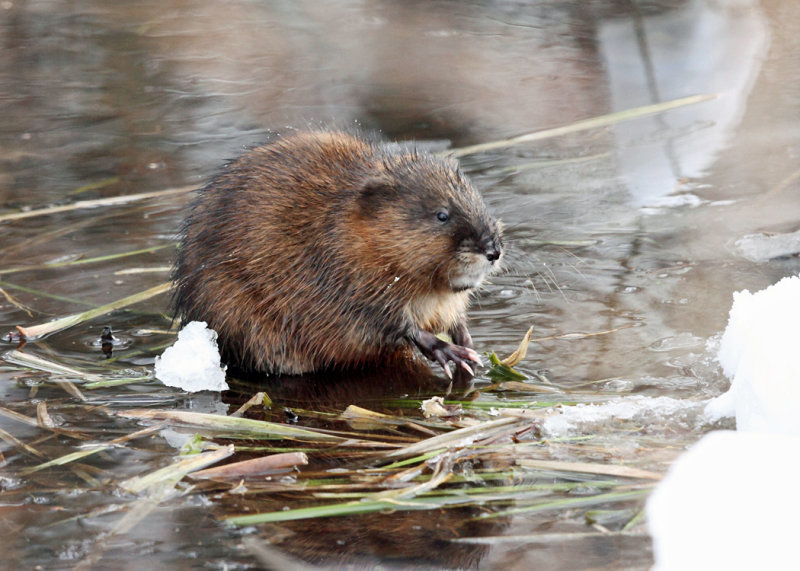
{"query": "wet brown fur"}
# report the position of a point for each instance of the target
(322, 249)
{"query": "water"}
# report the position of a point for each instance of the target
(629, 231)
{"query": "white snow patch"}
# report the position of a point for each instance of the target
(758, 352)
(193, 362)
(730, 502)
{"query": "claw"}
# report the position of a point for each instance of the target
(443, 353)
(474, 357)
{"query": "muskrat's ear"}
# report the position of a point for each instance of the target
(375, 192)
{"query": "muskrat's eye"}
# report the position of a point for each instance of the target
(442, 216)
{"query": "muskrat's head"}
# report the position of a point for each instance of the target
(429, 222)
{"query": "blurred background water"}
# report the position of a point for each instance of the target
(647, 226)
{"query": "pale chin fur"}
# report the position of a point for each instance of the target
(465, 282)
(472, 274)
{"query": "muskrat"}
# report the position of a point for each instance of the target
(324, 249)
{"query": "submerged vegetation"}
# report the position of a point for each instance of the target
(489, 463)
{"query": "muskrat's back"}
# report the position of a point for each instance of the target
(322, 249)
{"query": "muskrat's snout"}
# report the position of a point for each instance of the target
(477, 258)
(492, 245)
(490, 242)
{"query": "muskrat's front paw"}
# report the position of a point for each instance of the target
(461, 356)
(443, 352)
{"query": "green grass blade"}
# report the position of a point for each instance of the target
(103, 384)
(95, 185)
(347, 509)
(567, 503)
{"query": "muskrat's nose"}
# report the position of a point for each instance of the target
(492, 246)
(492, 253)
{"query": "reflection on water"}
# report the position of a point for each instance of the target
(629, 231)
(701, 47)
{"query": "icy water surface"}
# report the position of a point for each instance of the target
(625, 243)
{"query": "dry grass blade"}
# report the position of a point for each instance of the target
(46, 294)
(112, 201)
(13, 415)
(259, 399)
(43, 420)
(590, 468)
(364, 419)
(14, 441)
(584, 335)
(172, 474)
(136, 271)
(520, 387)
(593, 123)
(43, 417)
(253, 467)
(12, 300)
(72, 389)
(36, 331)
(106, 258)
(80, 454)
(441, 474)
(31, 361)
(546, 163)
(514, 359)
(232, 426)
(94, 260)
(457, 438)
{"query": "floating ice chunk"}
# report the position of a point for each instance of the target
(730, 502)
(193, 362)
(759, 353)
(673, 201)
(176, 439)
(637, 408)
(763, 247)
